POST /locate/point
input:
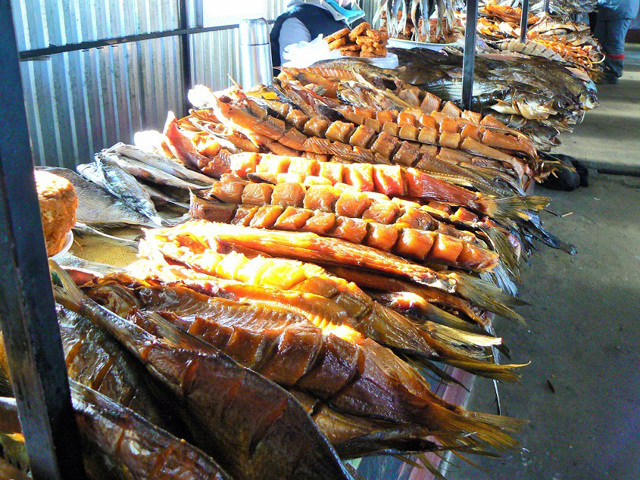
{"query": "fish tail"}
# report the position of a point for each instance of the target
(501, 245)
(487, 295)
(454, 336)
(504, 423)
(514, 207)
(461, 345)
(535, 229)
(502, 372)
(500, 276)
(442, 317)
(493, 430)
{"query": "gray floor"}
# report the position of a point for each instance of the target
(581, 392)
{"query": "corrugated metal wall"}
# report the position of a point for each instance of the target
(80, 102)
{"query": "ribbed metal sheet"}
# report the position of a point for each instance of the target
(80, 102)
(41, 23)
(216, 57)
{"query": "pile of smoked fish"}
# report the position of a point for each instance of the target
(552, 37)
(534, 96)
(334, 257)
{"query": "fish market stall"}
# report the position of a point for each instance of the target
(292, 277)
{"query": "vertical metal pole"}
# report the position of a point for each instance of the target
(524, 20)
(199, 13)
(545, 6)
(468, 60)
(27, 312)
(186, 53)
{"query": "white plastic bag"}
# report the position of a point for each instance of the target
(305, 54)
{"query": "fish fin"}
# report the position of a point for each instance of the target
(493, 430)
(501, 245)
(502, 372)
(70, 294)
(502, 422)
(430, 466)
(460, 337)
(500, 277)
(487, 295)
(536, 230)
(177, 336)
(514, 207)
(423, 363)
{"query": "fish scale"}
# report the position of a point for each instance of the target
(125, 186)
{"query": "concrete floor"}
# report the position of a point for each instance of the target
(581, 392)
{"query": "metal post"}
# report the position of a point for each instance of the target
(468, 60)
(546, 6)
(524, 20)
(27, 313)
(198, 9)
(186, 53)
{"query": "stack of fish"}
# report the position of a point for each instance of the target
(271, 368)
(536, 96)
(563, 7)
(335, 255)
(555, 38)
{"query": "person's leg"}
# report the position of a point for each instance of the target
(593, 18)
(616, 31)
(600, 31)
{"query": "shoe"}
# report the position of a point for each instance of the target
(566, 178)
(583, 171)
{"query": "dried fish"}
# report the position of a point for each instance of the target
(126, 187)
(96, 206)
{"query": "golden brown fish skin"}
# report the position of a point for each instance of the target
(243, 410)
(380, 324)
(355, 437)
(329, 251)
(411, 116)
(418, 245)
(370, 318)
(145, 449)
(142, 449)
(344, 202)
(95, 360)
(312, 248)
(438, 297)
(363, 380)
(184, 150)
(409, 183)
(384, 148)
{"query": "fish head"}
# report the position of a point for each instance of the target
(589, 100)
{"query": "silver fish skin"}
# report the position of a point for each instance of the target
(97, 207)
(150, 173)
(159, 197)
(163, 163)
(126, 187)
